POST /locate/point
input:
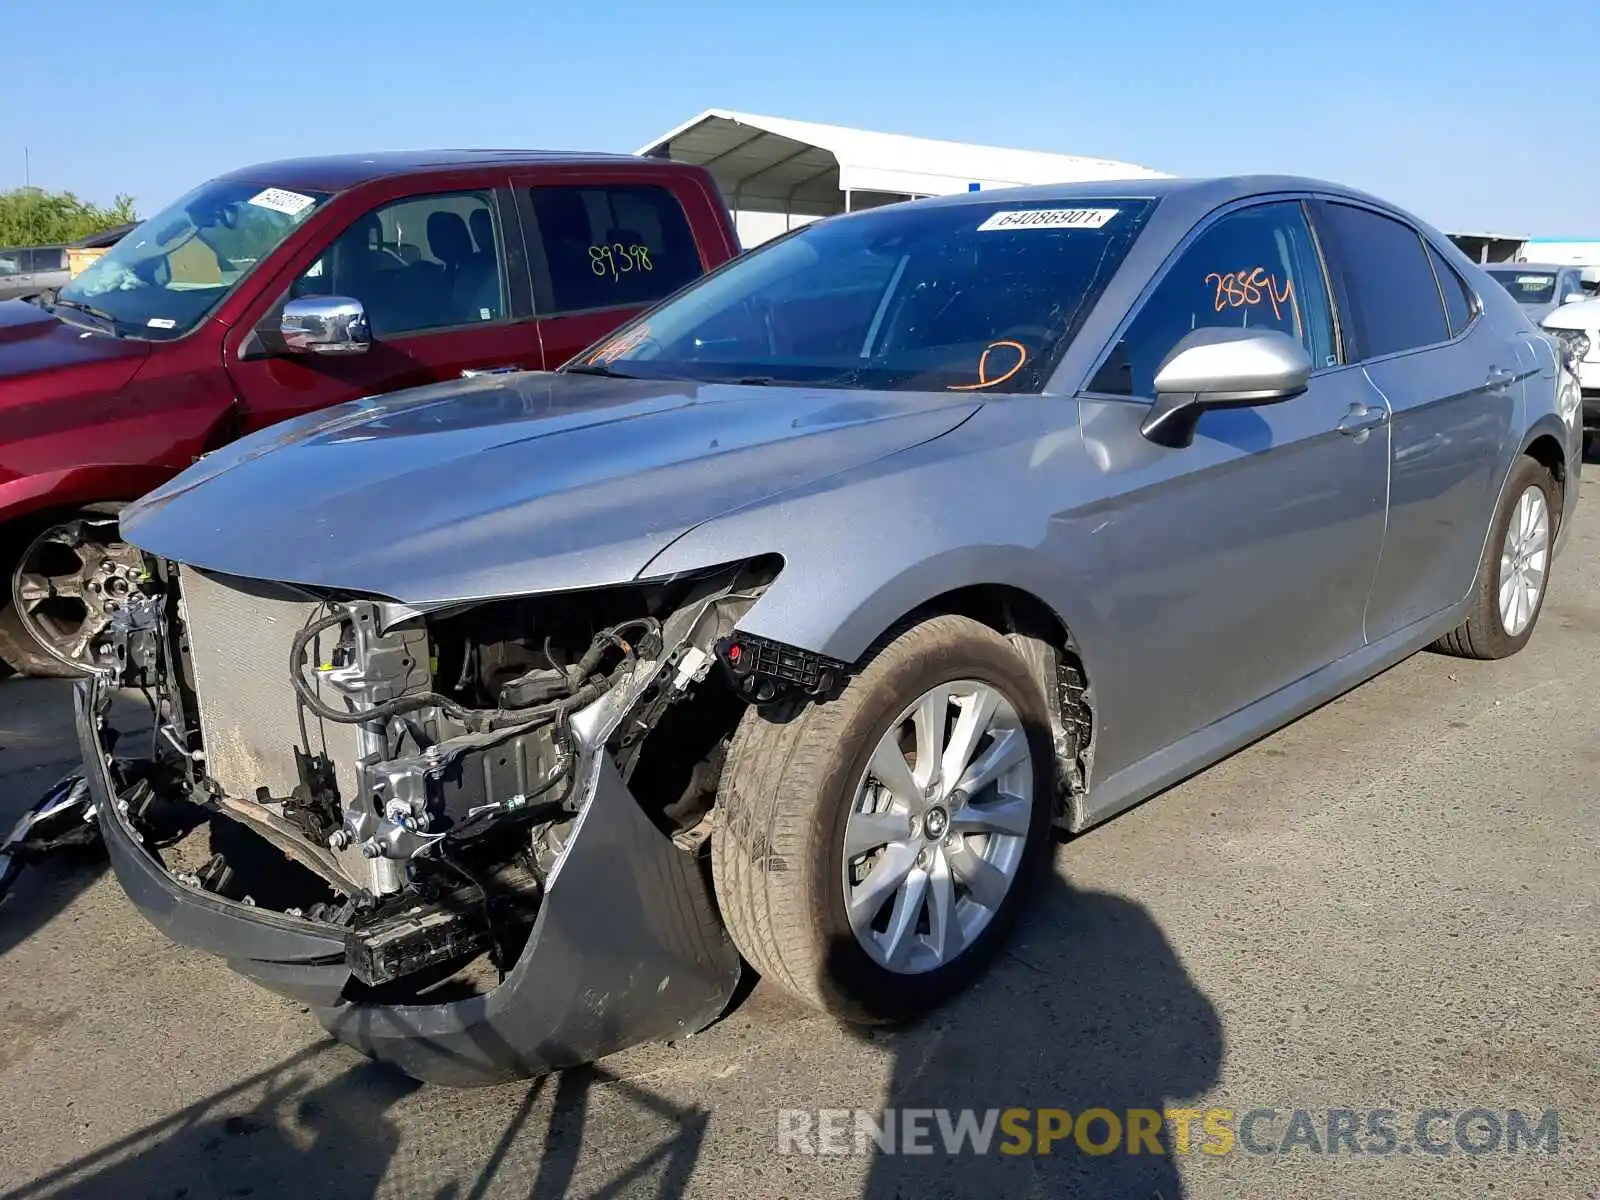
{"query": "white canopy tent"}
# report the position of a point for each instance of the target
(775, 172)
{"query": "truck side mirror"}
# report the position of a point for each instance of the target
(325, 325)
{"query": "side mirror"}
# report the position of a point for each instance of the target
(325, 325)
(1573, 298)
(1222, 368)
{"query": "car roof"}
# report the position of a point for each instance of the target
(1213, 191)
(336, 172)
(1183, 202)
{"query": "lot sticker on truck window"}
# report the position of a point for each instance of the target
(1048, 218)
(289, 203)
(161, 323)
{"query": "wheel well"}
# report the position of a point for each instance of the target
(1547, 452)
(1044, 640)
(16, 532)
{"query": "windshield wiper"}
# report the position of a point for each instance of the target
(99, 314)
(596, 369)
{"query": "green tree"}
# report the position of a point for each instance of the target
(31, 216)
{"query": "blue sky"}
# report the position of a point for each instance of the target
(1462, 111)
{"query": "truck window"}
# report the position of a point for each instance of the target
(418, 264)
(606, 246)
(50, 259)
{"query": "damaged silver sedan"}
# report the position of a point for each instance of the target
(499, 721)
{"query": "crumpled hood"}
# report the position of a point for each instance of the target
(33, 341)
(512, 484)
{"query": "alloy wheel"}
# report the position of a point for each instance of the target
(1524, 561)
(70, 582)
(937, 827)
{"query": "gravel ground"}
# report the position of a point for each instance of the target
(1390, 905)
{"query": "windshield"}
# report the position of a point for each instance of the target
(163, 278)
(913, 297)
(1529, 287)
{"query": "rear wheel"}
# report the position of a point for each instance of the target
(1512, 577)
(66, 583)
(870, 852)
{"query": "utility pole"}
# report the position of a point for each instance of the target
(27, 168)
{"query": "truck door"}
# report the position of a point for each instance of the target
(442, 276)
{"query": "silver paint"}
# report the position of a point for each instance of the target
(1214, 591)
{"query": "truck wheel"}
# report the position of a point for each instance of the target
(1512, 577)
(870, 852)
(64, 584)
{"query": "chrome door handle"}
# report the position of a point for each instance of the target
(1363, 417)
(474, 372)
(1500, 378)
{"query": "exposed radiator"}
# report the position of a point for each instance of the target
(240, 632)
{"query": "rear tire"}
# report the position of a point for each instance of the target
(1519, 546)
(801, 775)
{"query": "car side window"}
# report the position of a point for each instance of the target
(609, 245)
(1571, 285)
(45, 260)
(1397, 302)
(11, 262)
(1459, 303)
(1257, 268)
(418, 264)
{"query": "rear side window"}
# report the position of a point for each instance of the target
(1458, 301)
(1397, 302)
(46, 260)
(608, 246)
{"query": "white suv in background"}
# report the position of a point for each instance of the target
(1577, 327)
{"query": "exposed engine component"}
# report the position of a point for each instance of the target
(421, 772)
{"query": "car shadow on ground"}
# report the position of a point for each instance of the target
(1089, 1008)
(290, 1131)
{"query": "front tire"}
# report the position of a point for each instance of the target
(871, 852)
(1514, 573)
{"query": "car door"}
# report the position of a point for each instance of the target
(1452, 382)
(442, 277)
(603, 245)
(1241, 563)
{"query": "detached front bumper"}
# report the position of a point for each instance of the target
(627, 946)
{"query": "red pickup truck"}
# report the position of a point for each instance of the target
(293, 286)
